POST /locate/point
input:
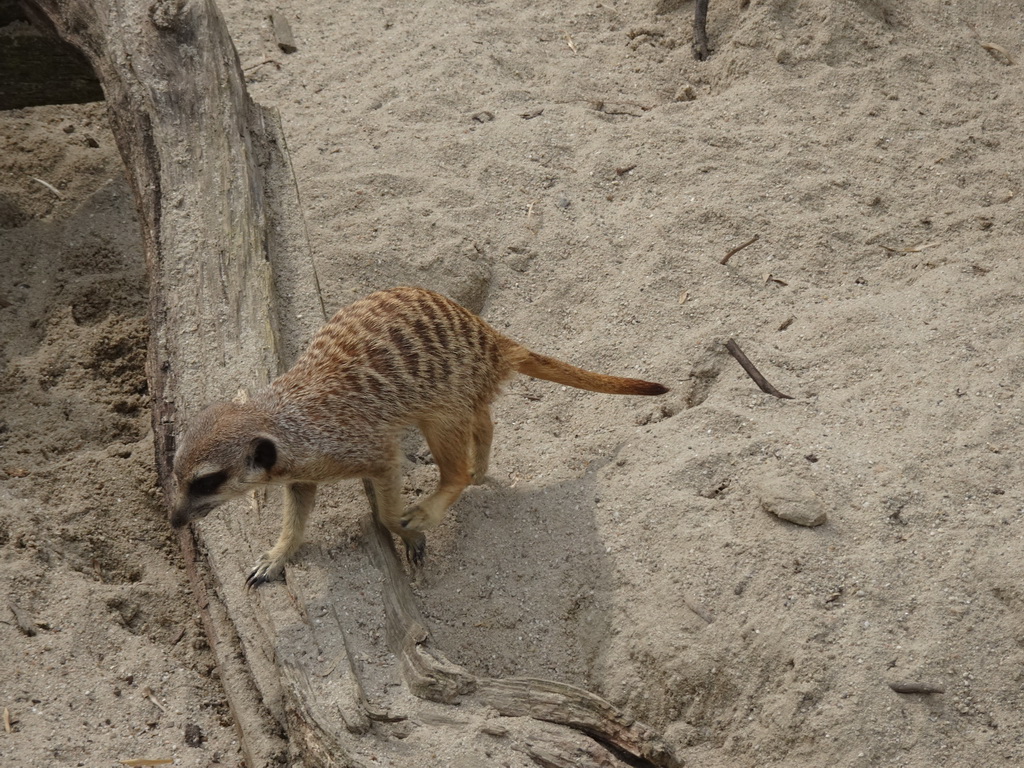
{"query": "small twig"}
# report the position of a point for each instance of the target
(569, 42)
(739, 248)
(752, 372)
(909, 686)
(49, 186)
(998, 53)
(8, 722)
(259, 64)
(909, 249)
(147, 693)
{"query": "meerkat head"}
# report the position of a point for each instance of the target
(225, 452)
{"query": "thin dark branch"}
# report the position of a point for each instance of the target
(739, 248)
(752, 372)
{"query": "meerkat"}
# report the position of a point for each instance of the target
(398, 358)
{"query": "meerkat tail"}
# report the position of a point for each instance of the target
(550, 369)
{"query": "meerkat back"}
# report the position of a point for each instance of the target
(407, 352)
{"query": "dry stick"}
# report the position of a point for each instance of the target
(752, 372)
(739, 248)
(910, 686)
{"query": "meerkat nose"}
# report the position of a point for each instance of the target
(179, 517)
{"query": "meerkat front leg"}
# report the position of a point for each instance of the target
(298, 503)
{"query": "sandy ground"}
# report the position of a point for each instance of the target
(572, 173)
(118, 667)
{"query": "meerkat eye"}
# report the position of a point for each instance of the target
(206, 485)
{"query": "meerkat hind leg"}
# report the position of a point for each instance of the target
(298, 502)
(483, 433)
(449, 441)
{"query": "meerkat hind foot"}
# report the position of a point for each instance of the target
(419, 517)
(265, 570)
(415, 549)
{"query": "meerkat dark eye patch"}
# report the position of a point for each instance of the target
(206, 485)
(264, 454)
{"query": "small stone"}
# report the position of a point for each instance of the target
(790, 500)
(685, 92)
(194, 735)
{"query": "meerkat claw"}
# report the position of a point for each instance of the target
(254, 579)
(264, 572)
(416, 551)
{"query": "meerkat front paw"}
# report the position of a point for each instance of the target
(266, 570)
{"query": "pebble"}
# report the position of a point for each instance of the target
(790, 500)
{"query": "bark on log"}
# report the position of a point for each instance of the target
(219, 212)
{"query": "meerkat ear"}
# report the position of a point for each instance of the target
(264, 453)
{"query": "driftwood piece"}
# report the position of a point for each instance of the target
(283, 33)
(578, 709)
(219, 213)
(428, 673)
